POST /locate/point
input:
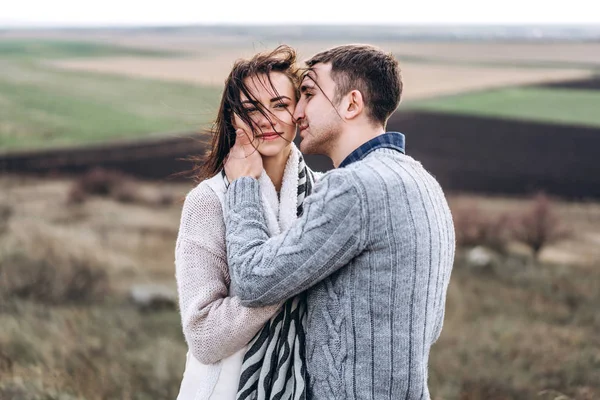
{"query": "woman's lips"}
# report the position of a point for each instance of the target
(269, 136)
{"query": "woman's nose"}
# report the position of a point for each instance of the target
(264, 121)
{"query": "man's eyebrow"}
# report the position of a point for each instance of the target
(308, 80)
(305, 87)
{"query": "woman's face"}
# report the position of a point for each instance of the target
(274, 136)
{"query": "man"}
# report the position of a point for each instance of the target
(374, 247)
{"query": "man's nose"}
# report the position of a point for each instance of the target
(298, 112)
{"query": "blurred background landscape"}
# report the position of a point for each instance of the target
(95, 124)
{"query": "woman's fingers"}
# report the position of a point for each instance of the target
(243, 159)
(242, 138)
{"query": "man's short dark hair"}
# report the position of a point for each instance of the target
(368, 69)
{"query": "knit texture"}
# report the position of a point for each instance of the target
(274, 366)
(374, 248)
(215, 324)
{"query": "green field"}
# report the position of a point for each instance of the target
(42, 106)
(52, 49)
(562, 106)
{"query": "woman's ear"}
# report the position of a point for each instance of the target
(355, 104)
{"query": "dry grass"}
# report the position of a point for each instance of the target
(511, 332)
(104, 351)
(72, 336)
(36, 264)
(518, 331)
(134, 241)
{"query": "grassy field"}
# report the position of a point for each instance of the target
(35, 49)
(563, 106)
(42, 106)
(57, 92)
(512, 330)
(516, 329)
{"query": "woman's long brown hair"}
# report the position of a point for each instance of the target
(282, 59)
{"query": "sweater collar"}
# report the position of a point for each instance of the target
(387, 140)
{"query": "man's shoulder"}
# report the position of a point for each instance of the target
(384, 169)
(383, 161)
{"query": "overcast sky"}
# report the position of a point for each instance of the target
(175, 12)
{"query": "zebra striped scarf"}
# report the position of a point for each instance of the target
(274, 366)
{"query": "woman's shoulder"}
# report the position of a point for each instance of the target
(210, 190)
(206, 198)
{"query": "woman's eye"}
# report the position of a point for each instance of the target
(281, 105)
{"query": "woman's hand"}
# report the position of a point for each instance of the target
(243, 159)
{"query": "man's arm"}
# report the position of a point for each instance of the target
(329, 235)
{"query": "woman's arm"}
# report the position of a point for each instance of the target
(214, 324)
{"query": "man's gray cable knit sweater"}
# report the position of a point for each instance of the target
(374, 250)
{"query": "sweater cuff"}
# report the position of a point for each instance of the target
(242, 190)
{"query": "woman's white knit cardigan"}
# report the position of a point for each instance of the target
(217, 328)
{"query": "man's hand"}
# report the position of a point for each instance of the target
(243, 158)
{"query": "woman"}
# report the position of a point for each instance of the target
(259, 97)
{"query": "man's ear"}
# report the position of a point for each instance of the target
(356, 104)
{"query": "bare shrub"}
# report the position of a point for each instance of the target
(166, 198)
(476, 228)
(6, 213)
(6, 362)
(121, 187)
(540, 225)
(39, 264)
(104, 182)
(101, 181)
(77, 195)
(125, 192)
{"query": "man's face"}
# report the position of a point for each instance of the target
(318, 120)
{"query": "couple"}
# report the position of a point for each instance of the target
(297, 285)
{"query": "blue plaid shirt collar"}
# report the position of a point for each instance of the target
(388, 140)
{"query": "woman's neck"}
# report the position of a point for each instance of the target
(275, 166)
